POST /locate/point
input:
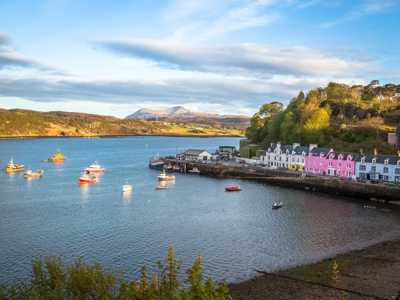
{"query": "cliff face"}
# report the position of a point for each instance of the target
(21, 123)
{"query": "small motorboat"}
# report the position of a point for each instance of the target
(233, 188)
(194, 171)
(126, 188)
(57, 157)
(161, 187)
(94, 168)
(164, 177)
(31, 174)
(277, 205)
(12, 167)
(86, 178)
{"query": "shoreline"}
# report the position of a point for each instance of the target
(290, 179)
(372, 272)
(114, 136)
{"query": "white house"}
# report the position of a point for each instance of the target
(195, 154)
(285, 156)
(384, 168)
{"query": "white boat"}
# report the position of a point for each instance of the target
(31, 174)
(277, 205)
(164, 177)
(194, 171)
(94, 168)
(161, 187)
(127, 188)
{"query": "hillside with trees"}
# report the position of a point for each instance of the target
(349, 118)
(27, 123)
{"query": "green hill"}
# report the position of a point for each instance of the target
(348, 118)
(27, 123)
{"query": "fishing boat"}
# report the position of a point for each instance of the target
(126, 188)
(194, 171)
(31, 174)
(57, 157)
(12, 167)
(164, 177)
(156, 164)
(94, 168)
(85, 178)
(277, 205)
(233, 188)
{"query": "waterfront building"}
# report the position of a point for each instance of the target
(194, 154)
(297, 158)
(285, 156)
(315, 160)
(227, 152)
(324, 161)
(383, 168)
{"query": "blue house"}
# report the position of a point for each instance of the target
(382, 168)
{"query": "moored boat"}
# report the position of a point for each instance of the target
(164, 177)
(127, 188)
(94, 168)
(31, 174)
(233, 188)
(13, 167)
(194, 171)
(277, 205)
(156, 164)
(85, 178)
(57, 157)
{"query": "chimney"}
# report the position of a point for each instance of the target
(295, 145)
(312, 146)
(361, 151)
(375, 151)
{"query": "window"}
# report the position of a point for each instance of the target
(373, 169)
(348, 166)
(363, 167)
(397, 171)
(386, 178)
(397, 178)
(363, 160)
(385, 170)
(374, 160)
(386, 161)
(330, 164)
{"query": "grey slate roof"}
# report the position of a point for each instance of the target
(194, 151)
(380, 159)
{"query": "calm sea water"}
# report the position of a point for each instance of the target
(236, 233)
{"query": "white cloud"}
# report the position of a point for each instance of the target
(252, 60)
(367, 7)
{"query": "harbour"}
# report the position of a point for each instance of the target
(236, 233)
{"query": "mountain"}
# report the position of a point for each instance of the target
(349, 118)
(28, 123)
(179, 114)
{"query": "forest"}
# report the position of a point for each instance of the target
(348, 118)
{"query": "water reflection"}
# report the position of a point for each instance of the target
(84, 189)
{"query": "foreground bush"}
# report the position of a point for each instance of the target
(51, 279)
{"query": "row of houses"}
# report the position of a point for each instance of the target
(327, 162)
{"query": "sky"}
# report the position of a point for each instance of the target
(229, 57)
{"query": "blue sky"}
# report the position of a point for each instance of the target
(114, 57)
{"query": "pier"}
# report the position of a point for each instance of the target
(290, 179)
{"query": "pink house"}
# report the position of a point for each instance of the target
(323, 161)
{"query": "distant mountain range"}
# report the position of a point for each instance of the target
(180, 114)
(28, 123)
